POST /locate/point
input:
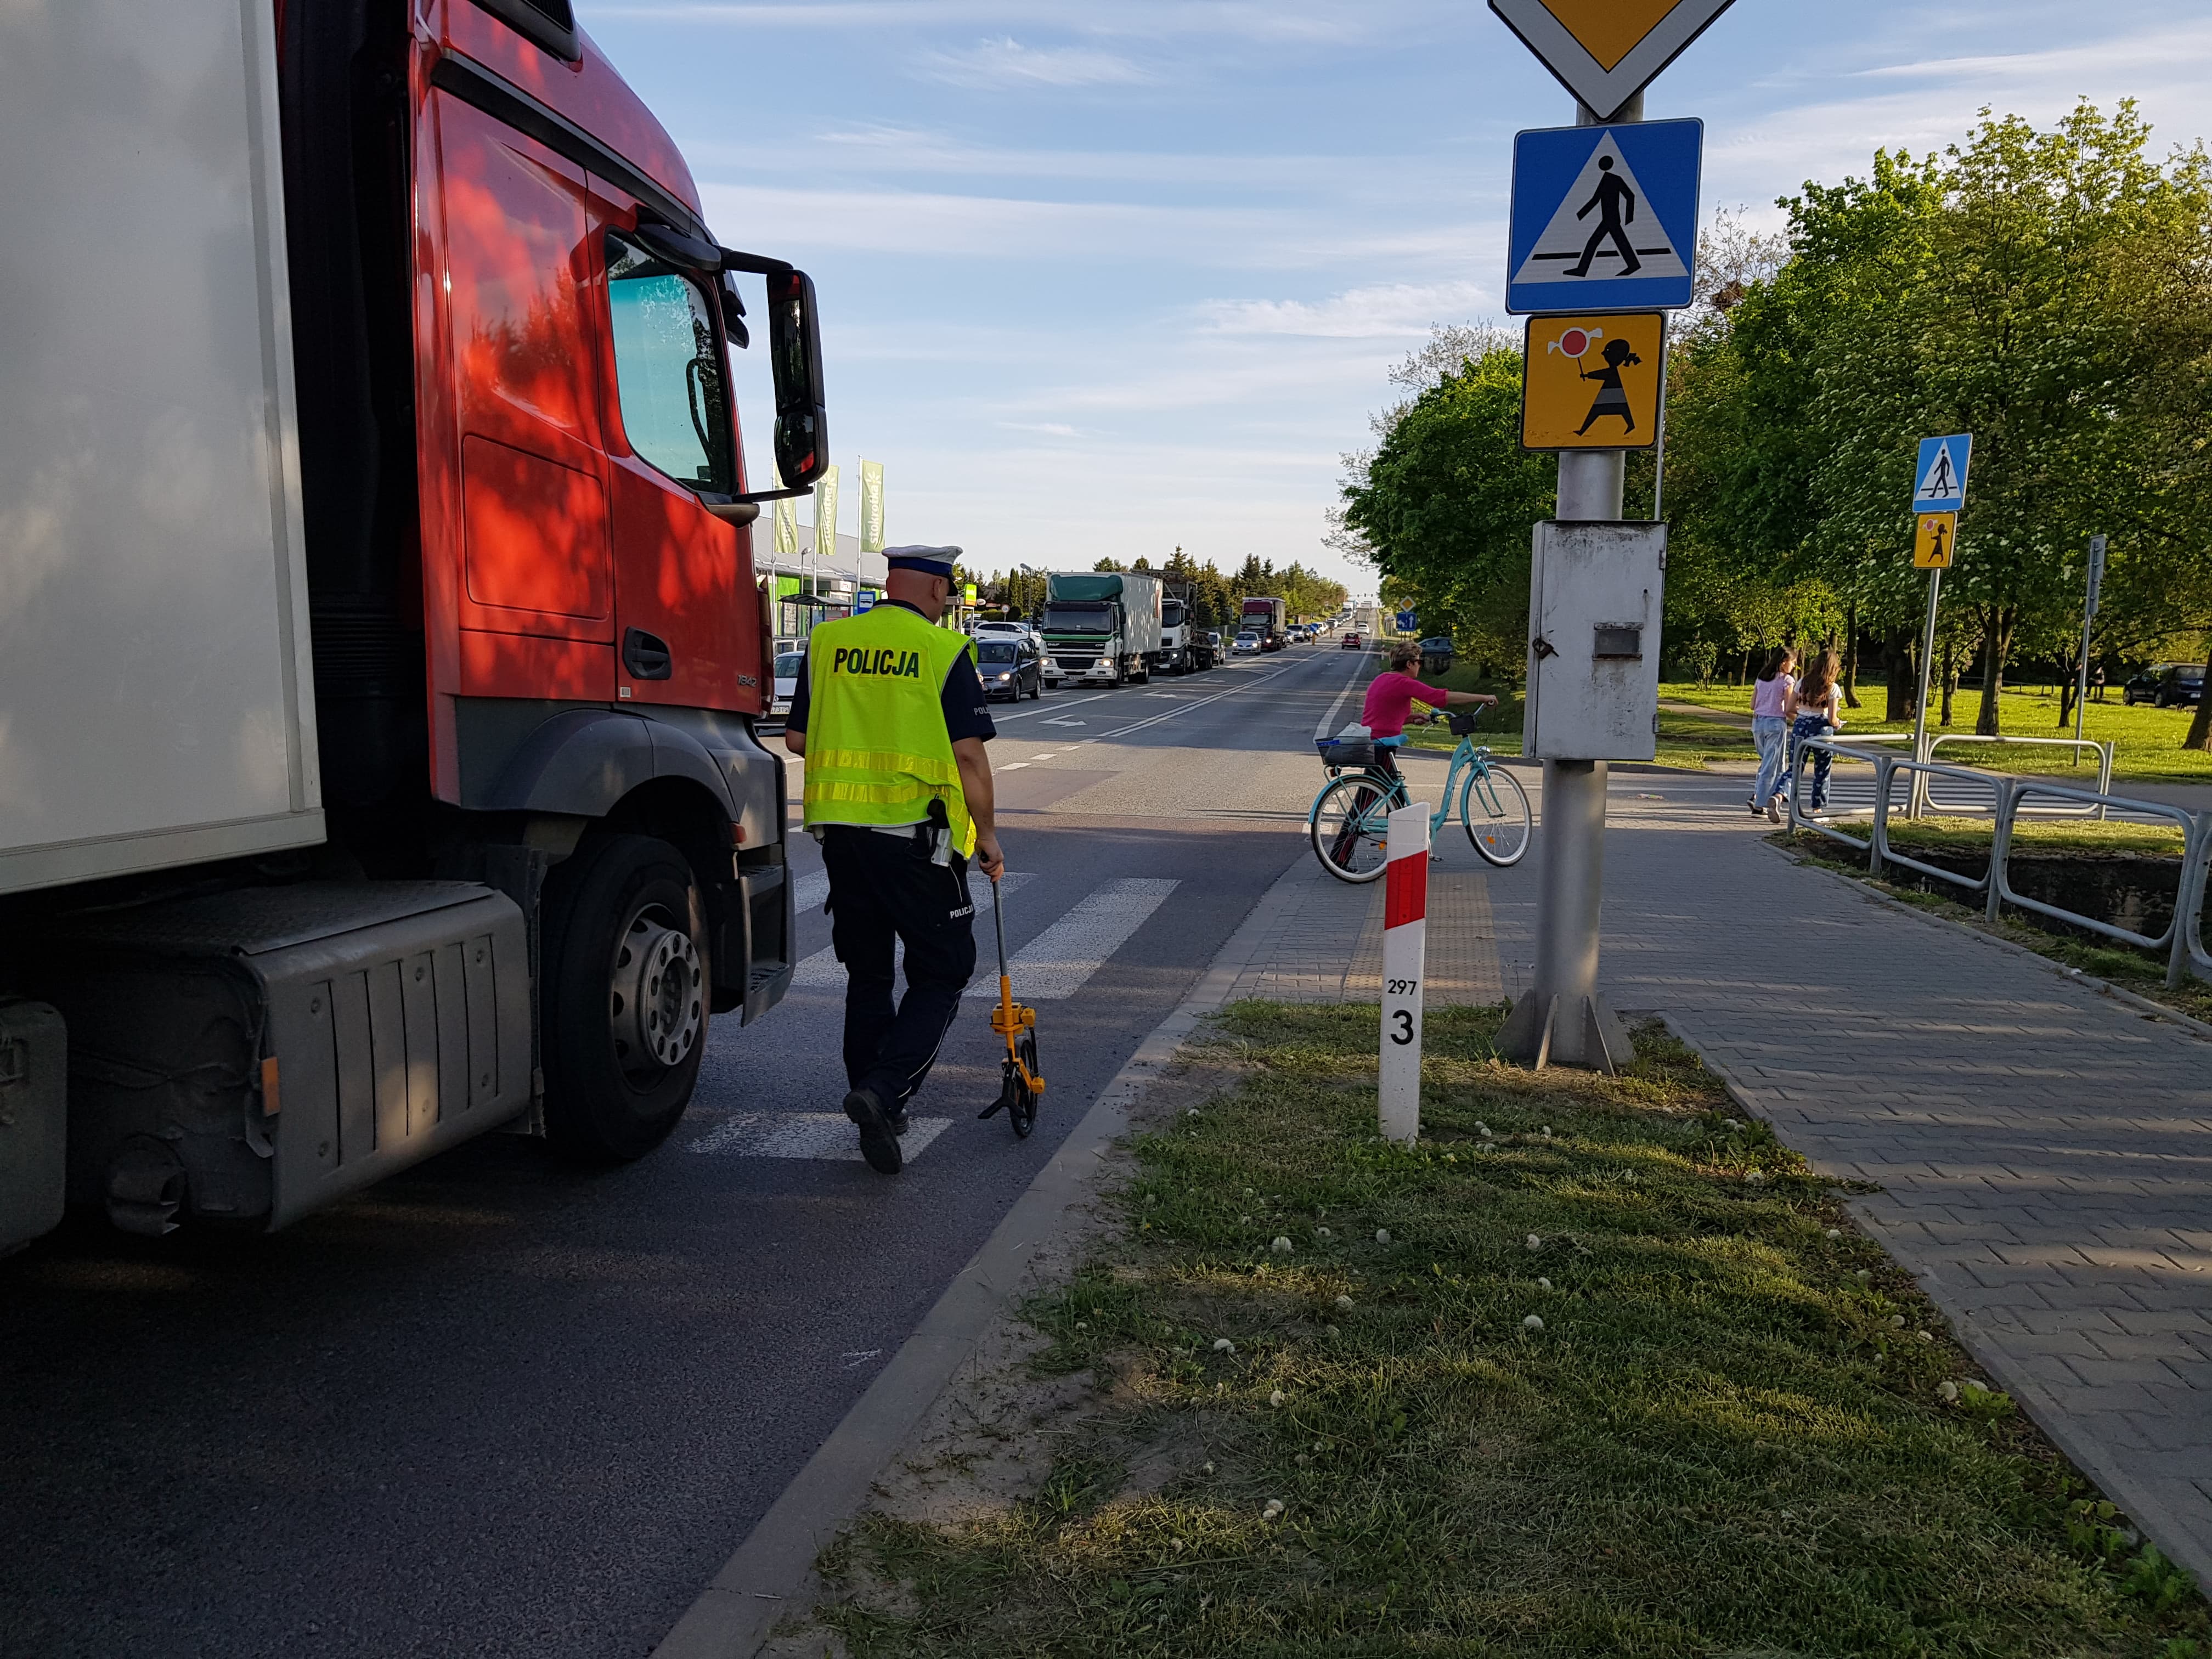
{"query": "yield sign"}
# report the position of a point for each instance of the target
(1606, 51)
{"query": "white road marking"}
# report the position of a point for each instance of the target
(1054, 966)
(1068, 722)
(826, 1136)
(1327, 723)
(1057, 703)
(1014, 766)
(822, 967)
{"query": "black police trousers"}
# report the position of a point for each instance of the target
(884, 888)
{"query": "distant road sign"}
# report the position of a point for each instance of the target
(1935, 542)
(1593, 382)
(1940, 477)
(1606, 51)
(1408, 621)
(1604, 217)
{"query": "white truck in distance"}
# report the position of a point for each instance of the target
(1102, 627)
(1178, 653)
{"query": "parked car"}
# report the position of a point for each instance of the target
(1011, 666)
(789, 665)
(1351, 641)
(2166, 685)
(1248, 645)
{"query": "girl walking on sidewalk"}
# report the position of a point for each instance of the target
(1814, 709)
(1769, 730)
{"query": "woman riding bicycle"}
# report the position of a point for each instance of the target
(1390, 698)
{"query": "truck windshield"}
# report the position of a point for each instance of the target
(1094, 619)
(1172, 613)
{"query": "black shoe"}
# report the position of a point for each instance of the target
(879, 1140)
(898, 1120)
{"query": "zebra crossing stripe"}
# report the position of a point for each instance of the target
(822, 967)
(1053, 966)
(829, 1136)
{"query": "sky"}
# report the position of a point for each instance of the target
(1112, 278)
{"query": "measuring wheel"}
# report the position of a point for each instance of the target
(1021, 1099)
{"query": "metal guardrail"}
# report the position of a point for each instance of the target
(2182, 942)
(2104, 752)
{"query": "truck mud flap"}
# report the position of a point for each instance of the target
(250, 1056)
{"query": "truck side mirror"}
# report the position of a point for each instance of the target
(794, 345)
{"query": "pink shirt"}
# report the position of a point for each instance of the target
(1766, 696)
(1390, 698)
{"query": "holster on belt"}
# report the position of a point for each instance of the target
(939, 831)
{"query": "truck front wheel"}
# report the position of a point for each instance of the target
(623, 1003)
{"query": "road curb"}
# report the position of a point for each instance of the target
(772, 1573)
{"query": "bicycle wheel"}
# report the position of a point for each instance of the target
(1493, 809)
(1350, 823)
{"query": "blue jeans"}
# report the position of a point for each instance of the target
(1769, 731)
(1812, 725)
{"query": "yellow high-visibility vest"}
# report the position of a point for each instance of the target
(876, 748)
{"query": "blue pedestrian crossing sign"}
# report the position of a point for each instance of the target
(1604, 218)
(1940, 477)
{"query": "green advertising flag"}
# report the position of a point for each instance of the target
(825, 515)
(872, 506)
(787, 525)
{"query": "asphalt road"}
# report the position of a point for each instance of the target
(499, 1407)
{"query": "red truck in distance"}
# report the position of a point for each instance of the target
(410, 788)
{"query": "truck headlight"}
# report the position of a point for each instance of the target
(1103, 662)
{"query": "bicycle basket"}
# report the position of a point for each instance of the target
(1462, 724)
(1349, 752)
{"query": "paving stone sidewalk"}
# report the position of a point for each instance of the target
(2043, 1152)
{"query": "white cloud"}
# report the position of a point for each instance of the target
(1395, 311)
(1006, 63)
(917, 223)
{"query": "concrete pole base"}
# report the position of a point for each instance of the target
(1554, 1030)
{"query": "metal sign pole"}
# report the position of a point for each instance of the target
(1917, 800)
(2088, 621)
(1561, 1017)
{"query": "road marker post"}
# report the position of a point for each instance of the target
(1404, 959)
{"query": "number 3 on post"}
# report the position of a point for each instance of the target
(1405, 942)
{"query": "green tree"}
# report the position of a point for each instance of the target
(1447, 504)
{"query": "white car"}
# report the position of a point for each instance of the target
(1018, 631)
(1248, 645)
(789, 665)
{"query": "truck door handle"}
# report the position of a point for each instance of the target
(646, 655)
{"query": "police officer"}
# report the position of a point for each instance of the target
(891, 718)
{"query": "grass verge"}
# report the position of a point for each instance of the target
(2147, 741)
(2132, 970)
(1594, 1369)
(2044, 835)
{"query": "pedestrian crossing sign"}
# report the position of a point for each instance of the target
(1939, 476)
(1606, 51)
(1592, 381)
(1604, 217)
(1935, 541)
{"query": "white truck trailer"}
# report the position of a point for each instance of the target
(1102, 627)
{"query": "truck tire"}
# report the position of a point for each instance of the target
(1144, 674)
(624, 1005)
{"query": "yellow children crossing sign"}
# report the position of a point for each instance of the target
(1606, 51)
(1593, 382)
(1935, 541)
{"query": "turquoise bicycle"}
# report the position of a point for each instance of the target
(1349, 822)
